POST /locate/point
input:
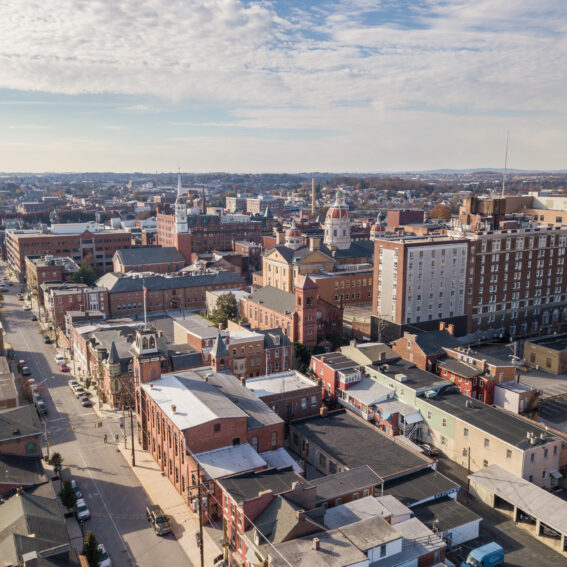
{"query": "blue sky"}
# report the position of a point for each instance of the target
(234, 85)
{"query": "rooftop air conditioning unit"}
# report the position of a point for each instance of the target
(401, 377)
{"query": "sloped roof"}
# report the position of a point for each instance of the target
(460, 368)
(275, 299)
(219, 347)
(150, 255)
(18, 422)
(118, 282)
(113, 357)
(21, 469)
(433, 342)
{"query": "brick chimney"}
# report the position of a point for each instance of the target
(314, 244)
(316, 544)
(451, 329)
(442, 325)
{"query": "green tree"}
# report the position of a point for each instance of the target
(56, 461)
(226, 309)
(67, 495)
(91, 550)
(86, 274)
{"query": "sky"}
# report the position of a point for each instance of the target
(282, 86)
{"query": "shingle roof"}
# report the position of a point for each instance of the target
(18, 422)
(433, 342)
(150, 255)
(117, 282)
(275, 299)
(21, 470)
(345, 482)
(460, 368)
(219, 347)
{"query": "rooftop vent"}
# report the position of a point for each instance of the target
(173, 408)
(316, 543)
(400, 377)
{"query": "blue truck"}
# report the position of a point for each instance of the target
(489, 555)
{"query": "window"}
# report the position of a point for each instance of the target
(338, 501)
(322, 460)
(484, 463)
(444, 422)
(383, 550)
(365, 492)
(313, 401)
(465, 432)
(508, 453)
(303, 403)
(487, 443)
(545, 453)
(532, 458)
(274, 439)
(216, 427)
(255, 443)
(355, 496)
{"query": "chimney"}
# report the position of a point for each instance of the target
(323, 359)
(300, 515)
(280, 237)
(442, 325)
(243, 380)
(382, 356)
(316, 544)
(451, 329)
(324, 411)
(173, 408)
(314, 244)
(352, 343)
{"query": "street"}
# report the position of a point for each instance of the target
(112, 492)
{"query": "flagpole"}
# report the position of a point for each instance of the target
(145, 292)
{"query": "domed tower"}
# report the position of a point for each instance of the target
(378, 228)
(337, 225)
(180, 209)
(293, 237)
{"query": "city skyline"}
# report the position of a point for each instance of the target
(262, 87)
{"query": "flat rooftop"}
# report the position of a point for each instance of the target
(417, 379)
(279, 383)
(557, 343)
(353, 443)
(228, 461)
(444, 514)
(419, 486)
(335, 360)
(332, 486)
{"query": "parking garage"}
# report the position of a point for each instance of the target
(538, 511)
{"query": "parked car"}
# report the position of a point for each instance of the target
(158, 519)
(25, 371)
(27, 308)
(34, 317)
(80, 392)
(47, 339)
(76, 488)
(58, 359)
(81, 510)
(85, 402)
(104, 560)
(22, 362)
(20, 297)
(63, 367)
(73, 384)
(430, 451)
(41, 407)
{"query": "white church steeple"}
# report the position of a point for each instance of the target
(337, 225)
(180, 209)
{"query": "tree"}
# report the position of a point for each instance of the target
(440, 211)
(91, 550)
(56, 462)
(86, 274)
(226, 309)
(1, 297)
(67, 495)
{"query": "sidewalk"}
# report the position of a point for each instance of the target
(184, 523)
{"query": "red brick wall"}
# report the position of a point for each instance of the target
(18, 446)
(293, 399)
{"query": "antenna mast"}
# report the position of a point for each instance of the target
(505, 165)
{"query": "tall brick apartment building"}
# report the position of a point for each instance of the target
(77, 241)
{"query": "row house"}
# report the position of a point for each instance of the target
(48, 269)
(184, 414)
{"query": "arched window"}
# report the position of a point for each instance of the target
(152, 342)
(144, 343)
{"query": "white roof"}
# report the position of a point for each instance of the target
(394, 506)
(238, 293)
(531, 499)
(279, 382)
(394, 405)
(227, 461)
(369, 391)
(196, 402)
(355, 511)
(279, 458)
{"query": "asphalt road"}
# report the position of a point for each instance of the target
(112, 492)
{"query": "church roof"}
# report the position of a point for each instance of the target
(305, 282)
(219, 347)
(113, 357)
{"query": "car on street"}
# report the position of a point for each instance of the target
(79, 392)
(25, 371)
(41, 407)
(58, 359)
(104, 560)
(76, 488)
(34, 317)
(430, 451)
(27, 308)
(85, 402)
(158, 519)
(63, 367)
(47, 339)
(73, 384)
(20, 297)
(81, 510)
(21, 362)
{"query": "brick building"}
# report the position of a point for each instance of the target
(400, 217)
(77, 241)
(252, 250)
(187, 413)
(335, 371)
(148, 259)
(48, 269)
(73, 297)
(303, 316)
(291, 395)
(125, 291)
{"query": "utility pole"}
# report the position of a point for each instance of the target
(468, 468)
(200, 504)
(132, 433)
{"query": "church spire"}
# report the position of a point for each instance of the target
(178, 182)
